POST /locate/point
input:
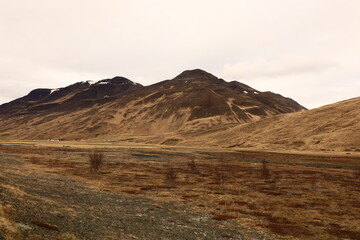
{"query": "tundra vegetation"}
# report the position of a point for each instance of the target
(285, 195)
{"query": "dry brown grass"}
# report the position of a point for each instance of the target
(7, 227)
(357, 174)
(328, 128)
(304, 202)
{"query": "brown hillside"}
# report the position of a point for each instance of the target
(332, 127)
(194, 101)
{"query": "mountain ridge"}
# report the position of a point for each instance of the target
(195, 108)
(194, 100)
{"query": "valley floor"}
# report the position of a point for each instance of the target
(47, 191)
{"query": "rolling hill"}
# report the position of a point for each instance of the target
(333, 127)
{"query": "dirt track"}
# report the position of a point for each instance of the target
(44, 205)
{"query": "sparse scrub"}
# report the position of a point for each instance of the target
(357, 174)
(193, 166)
(237, 186)
(219, 177)
(34, 160)
(265, 172)
(96, 160)
(171, 174)
(222, 172)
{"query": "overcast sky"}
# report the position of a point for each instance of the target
(308, 50)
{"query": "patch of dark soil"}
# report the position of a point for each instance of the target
(287, 229)
(171, 141)
(339, 232)
(223, 217)
(45, 225)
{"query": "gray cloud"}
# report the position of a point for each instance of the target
(266, 43)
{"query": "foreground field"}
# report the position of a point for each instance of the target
(277, 195)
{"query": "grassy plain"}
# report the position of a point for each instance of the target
(288, 195)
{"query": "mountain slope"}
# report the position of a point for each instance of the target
(194, 101)
(78, 95)
(332, 127)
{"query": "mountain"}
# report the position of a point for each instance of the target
(71, 98)
(334, 127)
(194, 102)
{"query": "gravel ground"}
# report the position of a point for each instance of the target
(50, 206)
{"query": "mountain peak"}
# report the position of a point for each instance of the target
(115, 80)
(119, 79)
(112, 81)
(195, 74)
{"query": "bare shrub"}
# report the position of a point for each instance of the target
(222, 171)
(193, 166)
(171, 174)
(265, 172)
(34, 160)
(96, 160)
(219, 177)
(357, 174)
